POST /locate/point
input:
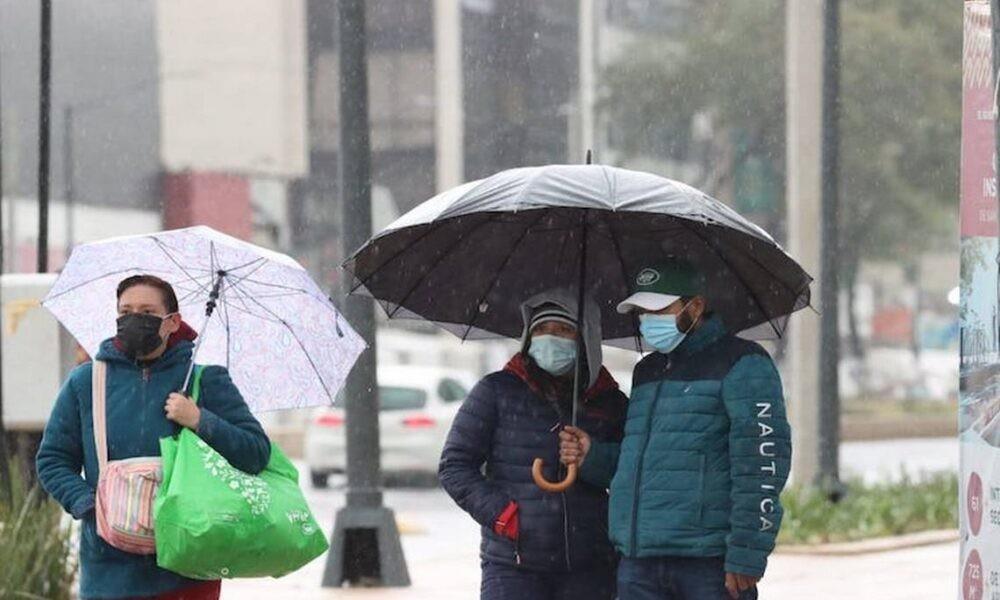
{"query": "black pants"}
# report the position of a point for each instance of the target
(503, 582)
(672, 578)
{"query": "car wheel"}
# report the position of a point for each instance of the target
(320, 480)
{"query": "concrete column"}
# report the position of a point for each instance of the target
(449, 124)
(804, 94)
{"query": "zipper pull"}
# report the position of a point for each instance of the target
(517, 557)
(145, 375)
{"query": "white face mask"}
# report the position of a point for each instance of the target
(553, 354)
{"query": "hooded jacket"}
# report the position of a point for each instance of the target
(504, 424)
(136, 394)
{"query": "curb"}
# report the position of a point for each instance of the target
(872, 546)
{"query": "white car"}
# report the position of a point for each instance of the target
(417, 406)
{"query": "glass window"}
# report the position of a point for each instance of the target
(401, 398)
(452, 391)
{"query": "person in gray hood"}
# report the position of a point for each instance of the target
(537, 545)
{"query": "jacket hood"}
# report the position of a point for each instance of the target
(590, 328)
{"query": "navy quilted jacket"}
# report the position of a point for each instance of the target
(500, 429)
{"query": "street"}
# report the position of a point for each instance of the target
(441, 545)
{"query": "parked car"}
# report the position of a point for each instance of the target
(416, 408)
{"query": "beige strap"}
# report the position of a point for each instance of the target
(99, 411)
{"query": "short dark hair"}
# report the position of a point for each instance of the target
(166, 290)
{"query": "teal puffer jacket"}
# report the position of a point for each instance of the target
(706, 453)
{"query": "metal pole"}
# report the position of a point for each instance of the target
(365, 549)
(44, 104)
(69, 176)
(828, 476)
(6, 491)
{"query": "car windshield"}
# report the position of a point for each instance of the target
(401, 398)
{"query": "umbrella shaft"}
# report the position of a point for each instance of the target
(209, 309)
(581, 346)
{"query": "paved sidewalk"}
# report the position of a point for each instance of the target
(928, 573)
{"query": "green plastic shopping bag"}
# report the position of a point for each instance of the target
(213, 521)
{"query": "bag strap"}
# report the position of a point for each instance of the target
(194, 393)
(196, 383)
(98, 378)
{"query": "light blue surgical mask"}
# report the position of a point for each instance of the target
(661, 332)
(555, 355)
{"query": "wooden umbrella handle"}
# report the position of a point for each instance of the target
(548, 486)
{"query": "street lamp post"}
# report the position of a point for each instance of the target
(44, 128)
(365, 549)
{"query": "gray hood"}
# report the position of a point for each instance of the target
(591, 329)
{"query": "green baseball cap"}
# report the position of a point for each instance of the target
(659, 285)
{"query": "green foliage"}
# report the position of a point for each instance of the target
(36, 551)
(900, 111)
(905, 506)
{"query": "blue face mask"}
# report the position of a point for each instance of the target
(661, 332)
(555, 355)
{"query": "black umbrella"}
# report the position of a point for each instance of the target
(466, 259)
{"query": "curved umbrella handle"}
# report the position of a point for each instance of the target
(548, 486)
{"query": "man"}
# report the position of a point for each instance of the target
(146, 364)
(695, 482)
(537, 545)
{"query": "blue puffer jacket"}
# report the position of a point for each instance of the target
(705, 456)
(135, 424)
(505, 424)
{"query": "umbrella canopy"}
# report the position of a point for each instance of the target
(467, 258)
(280, 336)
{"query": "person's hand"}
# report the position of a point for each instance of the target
(737, 583)
(182, 410)
(574, 444)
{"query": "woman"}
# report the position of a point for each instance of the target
(146, 364)
(537, 545)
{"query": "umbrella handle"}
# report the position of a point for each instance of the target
(548, 486)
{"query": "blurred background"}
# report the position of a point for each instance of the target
(171, 113)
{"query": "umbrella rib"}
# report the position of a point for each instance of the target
(753, 294)
(251, 263)
(246, 277)
(293, 291)
(162, 247)
(190, 293)
(432, 227)
(625, 277)
(684, 221)
(513, 249)
(771, 273)
(246, 308)
(90, 281)
(301, 346)
(461, 238)
(612, 188)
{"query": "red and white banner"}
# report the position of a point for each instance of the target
(979, 416)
